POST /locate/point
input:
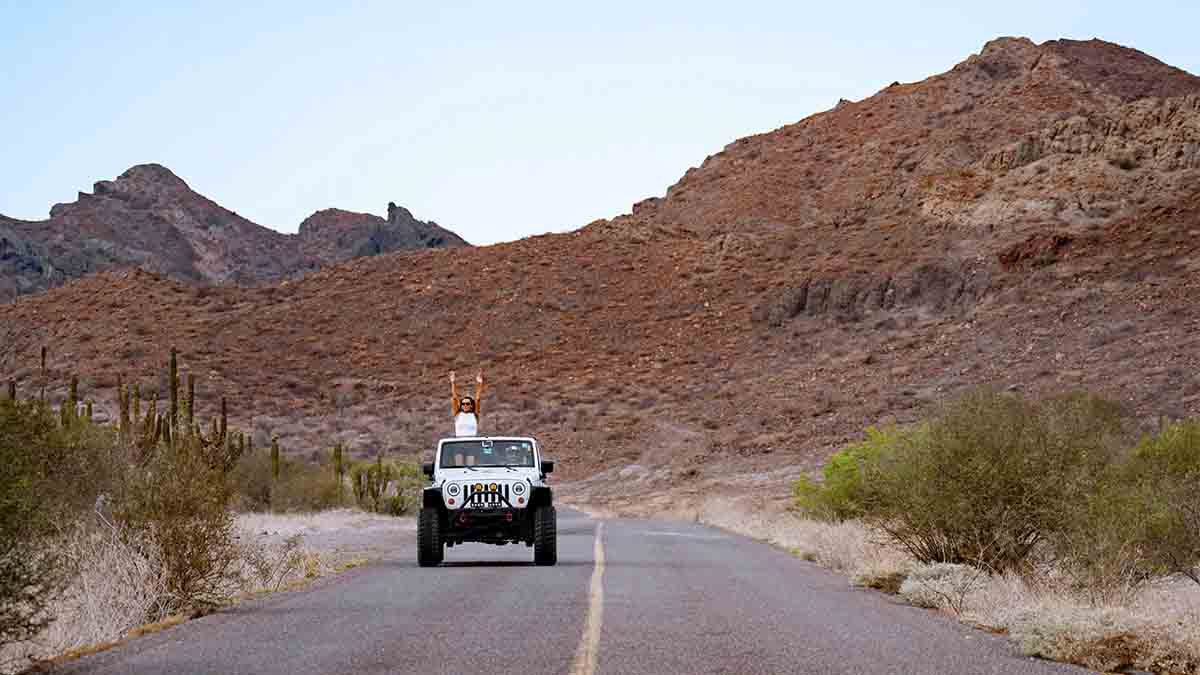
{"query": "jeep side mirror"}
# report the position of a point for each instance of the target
(547, 466)
(427, 469)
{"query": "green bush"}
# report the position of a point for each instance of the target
(1003, 483)
(251, 481)
(28, 572)
(988, 480)
(304, 487)
(1165, 469)
(386, 486)
(841, 495)
(182, 505)
(1103, 545)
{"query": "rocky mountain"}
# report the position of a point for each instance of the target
(148, 217)
(1028, 220)
(335, 235)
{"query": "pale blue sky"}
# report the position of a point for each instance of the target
(497, 119)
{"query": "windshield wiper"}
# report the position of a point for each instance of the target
(467, 467)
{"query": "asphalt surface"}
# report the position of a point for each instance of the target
(667, 597)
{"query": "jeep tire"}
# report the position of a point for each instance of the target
(545, 536)
(429, 538)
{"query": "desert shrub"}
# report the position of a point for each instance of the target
(29, 571)
(409, 481)
(942, 586)
(386, 486)
(271, 569)
(1165, 470)
(301, 485)
(987, 481)
(181, 505)
(840, 496)
(1102, 548)
(304, 487)
(251, 481)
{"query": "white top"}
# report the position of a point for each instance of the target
(466, 424)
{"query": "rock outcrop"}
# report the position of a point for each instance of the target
(334, 234)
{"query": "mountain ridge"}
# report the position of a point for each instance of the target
(149, 217)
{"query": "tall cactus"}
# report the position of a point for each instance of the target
(150, 428)
(173, 393)
(165, 433)
(190, 410)
(339, 469)
(224, 426)
(73, 398)
(68, 412)
(275, 460)
(123, 411)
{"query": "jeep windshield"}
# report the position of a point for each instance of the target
(483, 453)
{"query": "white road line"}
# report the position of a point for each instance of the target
(585, 656)
(688, 535)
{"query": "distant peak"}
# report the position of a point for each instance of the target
(1007, 43)
(333, 219)
(152, 173)
(1100, 67)
(1006, 56)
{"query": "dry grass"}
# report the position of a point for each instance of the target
(1157, 630)
(334, 520)
(117, 588)
(848, 547)
(1154, 628)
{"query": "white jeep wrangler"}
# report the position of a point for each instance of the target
(491, 490)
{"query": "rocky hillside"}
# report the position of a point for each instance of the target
(1027, 220)
(150, 218)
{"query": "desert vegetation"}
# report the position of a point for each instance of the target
(1047, 519)
(111, 525)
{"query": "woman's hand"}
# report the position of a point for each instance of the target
(478, 378)
(452, 377)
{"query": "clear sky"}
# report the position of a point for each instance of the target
(496, 119)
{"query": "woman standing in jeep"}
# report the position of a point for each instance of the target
(466, 409)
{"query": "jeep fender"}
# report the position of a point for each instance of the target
(432, 499)
(541, 495)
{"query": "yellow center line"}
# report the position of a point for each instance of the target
(585, 656)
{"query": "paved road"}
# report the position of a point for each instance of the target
(626, 597)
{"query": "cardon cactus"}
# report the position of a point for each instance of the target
(190, 410)
(123, 407)
(339, 469)
(173, 393)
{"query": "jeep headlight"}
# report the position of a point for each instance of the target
(453, 490)
(518, 488)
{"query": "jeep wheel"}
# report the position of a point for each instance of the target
(429, 538)
(545, 536)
